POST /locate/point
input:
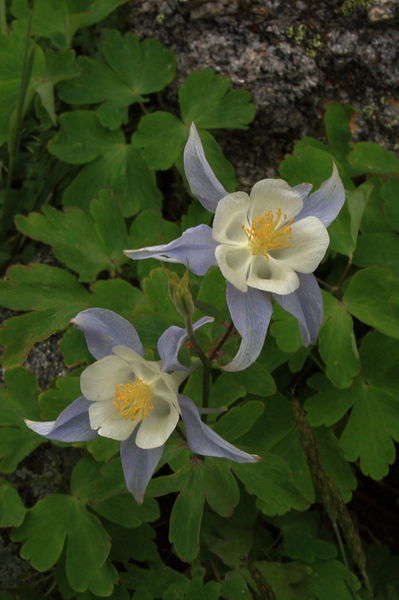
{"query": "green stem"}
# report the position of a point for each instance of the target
(330, 497)
(204, 360)
(343, 275)
(3, 18)
(15, 136)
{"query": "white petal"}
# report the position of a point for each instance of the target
(145, 369)
(103, 416)
(166, 387)
(98, 381)
(309, 244)
(272, 276)
(230, 217)
(234, 263)
(274, 194)
(157, 427)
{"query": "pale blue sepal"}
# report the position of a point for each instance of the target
(201, 439)
(72, 424)
(195, 249)
(303, 189)
(104, 329)
(250, 312)
(306, 305)
(171, 341)
(202, 180)
(326, 203)
(138, 466)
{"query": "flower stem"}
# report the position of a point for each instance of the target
(330, 497)
(343, 275)
(203, 358)
(229, 331)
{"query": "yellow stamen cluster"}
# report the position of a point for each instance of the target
(264, 233)
(133, 399)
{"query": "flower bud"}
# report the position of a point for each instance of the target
(180, 294)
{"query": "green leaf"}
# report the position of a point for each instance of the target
(222, 168)
(272, 482)
(344, 230)
(283, 580)
(54, 293)
(53, 401)
(58, 520)
(374, 219)
(286, 330)
(390, 195)
(186, 516)
(122, 170)
(212, 291)
(150, 229)
(301, 535)
(372, 424)
(59, 67)
(123, 510)
(73, 347)
(155, 287)
(102, 449)
(139, 547)
(224, 391)
(18, 397)
(194, 589)
(154, 581)
(337, 120)
(379, 357)
(220, 486)
(77, 241)
(337, 343)
(134, 68)
(334, 463)
(113, 164)
(20, 333)
(372, 296)
(161, 136)
(239, 420)
(60, 19)
(37, 287)
(118, 295)
(275, 432)
(330, 580)
(206, 99)
(378, 249)
(371, 429)
(368, 157)
(307, 164)
(18, 401)
(12, 509)
(329, 405)
(82, 138)
(234, 587)
(84, 474)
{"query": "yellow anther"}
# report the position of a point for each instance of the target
(264, 234)
(133, 399)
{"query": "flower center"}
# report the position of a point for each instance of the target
(133, 399)
(264, 234)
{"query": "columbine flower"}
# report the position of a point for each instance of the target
(265, 244)
(133, 400)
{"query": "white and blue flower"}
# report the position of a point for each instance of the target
(133, 400)
(266, 244)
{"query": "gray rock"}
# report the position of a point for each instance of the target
(295, 57)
